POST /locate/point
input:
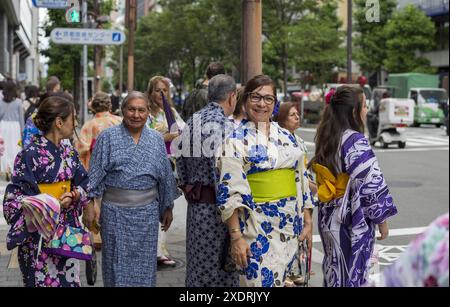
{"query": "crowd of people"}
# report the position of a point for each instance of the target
(235, 156)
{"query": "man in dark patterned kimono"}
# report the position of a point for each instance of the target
(201, 139)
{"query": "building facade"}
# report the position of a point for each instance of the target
(19, 56)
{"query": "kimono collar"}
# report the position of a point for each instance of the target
(102, 114)
(144, 134)
(216, 107)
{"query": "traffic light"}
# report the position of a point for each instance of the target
(73, 13)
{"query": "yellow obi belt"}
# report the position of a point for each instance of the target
(273, 185)
(330, 187)
(56, 189)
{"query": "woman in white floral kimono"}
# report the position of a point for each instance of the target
(263, 192)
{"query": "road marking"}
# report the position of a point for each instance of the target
(412, 149)
(424, 142)
(387, 254)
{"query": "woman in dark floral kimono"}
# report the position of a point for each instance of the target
(49, 159)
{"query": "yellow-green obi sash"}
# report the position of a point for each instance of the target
(273, 185)
(330, 187)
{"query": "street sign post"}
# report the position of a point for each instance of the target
(51, 4)
(73, 36)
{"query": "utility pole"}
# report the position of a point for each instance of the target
(85, 66)
(349, 41)
(121, 71)
(131, 14)
(98, 50)
(251, 45)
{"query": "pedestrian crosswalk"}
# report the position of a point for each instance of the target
(417, 138)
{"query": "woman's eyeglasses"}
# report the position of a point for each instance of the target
(268, 99)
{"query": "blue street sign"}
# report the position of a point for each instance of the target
(51, 4)
(80, 36)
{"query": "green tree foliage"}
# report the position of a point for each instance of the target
(64, 60)
(301, 32)
(370, 42)
(184, 38)
(409, 33)
(317, 43)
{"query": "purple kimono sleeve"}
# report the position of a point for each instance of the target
(368, 181)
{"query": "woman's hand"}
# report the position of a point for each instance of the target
(167, 220)
(66, 200)
(169, 137)
(306, 234)
(240, 251)
(384, 230)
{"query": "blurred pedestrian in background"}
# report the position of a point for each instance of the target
(198, 98)
(11, 126)
(158, 87)
(289, 119)
(32, 98)
(102, 107)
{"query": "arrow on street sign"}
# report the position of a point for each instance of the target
(51, 4)
(80, 36)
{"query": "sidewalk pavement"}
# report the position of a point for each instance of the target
(10, 275)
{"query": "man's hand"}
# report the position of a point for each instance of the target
(167, 220)
(89, 216)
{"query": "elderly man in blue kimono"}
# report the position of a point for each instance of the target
(201, 139)
(131, 173)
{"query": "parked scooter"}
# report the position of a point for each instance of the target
(389, 125)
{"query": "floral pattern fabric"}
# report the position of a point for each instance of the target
(271, 229)
(44, 162)
(30, 130)
(425, 262)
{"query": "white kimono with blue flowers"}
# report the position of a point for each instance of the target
(271, 229)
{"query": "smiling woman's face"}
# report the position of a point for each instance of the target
(260, 111)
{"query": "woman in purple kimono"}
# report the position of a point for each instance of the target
(48, 159)
(353, 195)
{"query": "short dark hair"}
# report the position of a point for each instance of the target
(283, 113)
(52, 82)
(10, 91)
(257, 82)
(31, 91)
(214, 69)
